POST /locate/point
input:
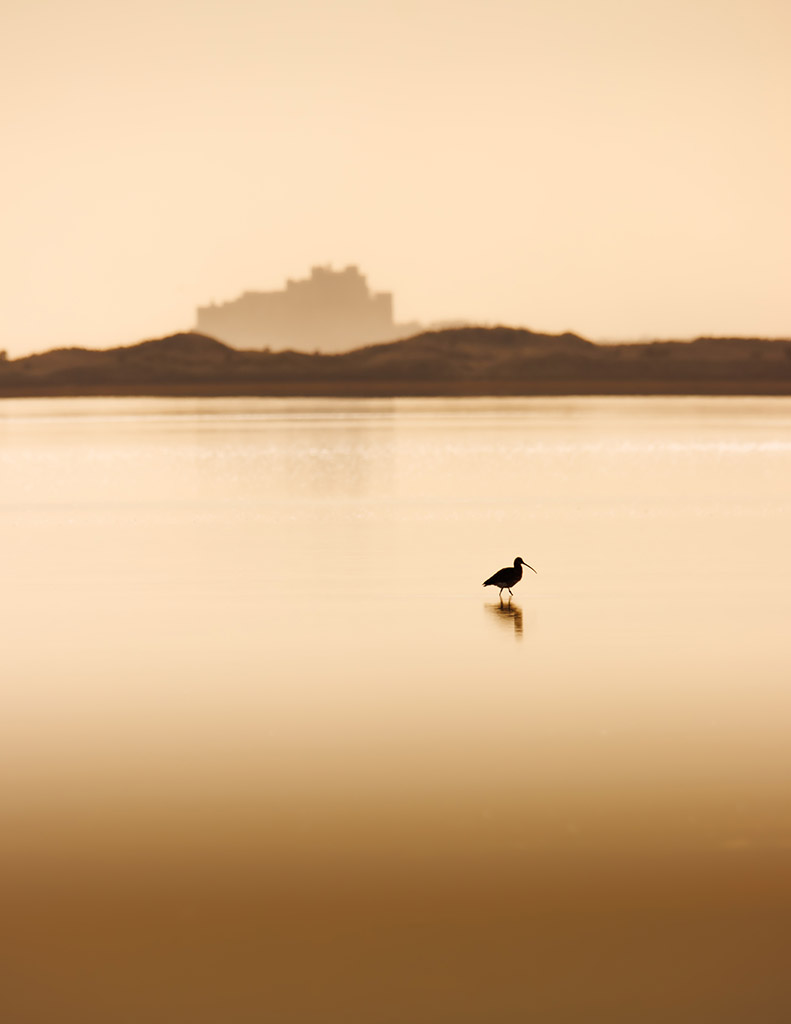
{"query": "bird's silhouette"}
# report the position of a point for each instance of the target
(507, 577)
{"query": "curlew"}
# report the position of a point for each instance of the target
(508, 577)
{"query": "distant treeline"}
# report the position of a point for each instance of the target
(456, 361)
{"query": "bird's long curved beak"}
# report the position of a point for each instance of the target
(530, 567)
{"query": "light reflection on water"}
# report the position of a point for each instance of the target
(245, 641)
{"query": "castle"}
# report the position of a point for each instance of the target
(331, 311)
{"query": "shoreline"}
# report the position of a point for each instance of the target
(406, 389)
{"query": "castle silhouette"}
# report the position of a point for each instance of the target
(330, 311)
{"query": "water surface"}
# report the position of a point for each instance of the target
(247, 659)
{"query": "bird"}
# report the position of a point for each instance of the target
(508, 577)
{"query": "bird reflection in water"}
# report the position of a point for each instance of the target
(508, 613)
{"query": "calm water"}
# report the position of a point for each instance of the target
(271, 752)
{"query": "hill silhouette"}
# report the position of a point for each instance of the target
(454, 361)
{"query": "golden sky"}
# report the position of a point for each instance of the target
(620, 168)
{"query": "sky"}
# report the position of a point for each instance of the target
(619, 168)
